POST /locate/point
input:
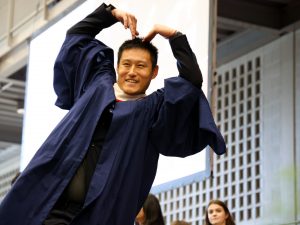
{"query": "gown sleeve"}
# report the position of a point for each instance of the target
(82, 58)
(187, 64)
(183, 123)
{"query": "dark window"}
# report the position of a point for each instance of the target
(249, 66)
(242, 69)
(257, 62)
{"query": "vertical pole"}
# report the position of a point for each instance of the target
(212, 66)
(10, 21)
(45, 10)
(295, 179)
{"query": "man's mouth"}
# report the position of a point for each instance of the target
(131, 81)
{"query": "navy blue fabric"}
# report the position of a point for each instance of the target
(174, 121)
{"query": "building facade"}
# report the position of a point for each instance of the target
(257, 111)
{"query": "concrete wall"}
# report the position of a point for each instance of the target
(279, 131)
(297, 102)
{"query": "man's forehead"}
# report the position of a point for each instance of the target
(136, 54)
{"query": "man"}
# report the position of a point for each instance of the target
(97, 166)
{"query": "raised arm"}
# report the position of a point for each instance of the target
(104, 16)
(186, 60)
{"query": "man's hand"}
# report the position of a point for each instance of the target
(163, 30)
(127, 19)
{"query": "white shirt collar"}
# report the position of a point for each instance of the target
(122, 96)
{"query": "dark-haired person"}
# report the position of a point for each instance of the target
(180, 222)
(98, 164)
(217, 213)
(150, 213)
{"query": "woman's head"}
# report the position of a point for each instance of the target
(180, 222)
(217, 213)
(151, 213)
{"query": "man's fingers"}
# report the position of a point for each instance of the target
(125, 21)
(149, 36)
(128, 20)
(132, 23)
(162, 30)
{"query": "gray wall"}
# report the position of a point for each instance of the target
(297, 140)
(280, 130)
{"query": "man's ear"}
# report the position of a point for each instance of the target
(155, 72)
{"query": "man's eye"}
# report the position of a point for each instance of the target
(141, 65)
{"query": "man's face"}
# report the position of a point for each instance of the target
(135, 71)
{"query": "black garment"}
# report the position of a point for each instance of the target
(63, 213)
(72, 199)
(79, 184)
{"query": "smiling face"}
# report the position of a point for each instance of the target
(216, 215)
(135, 71)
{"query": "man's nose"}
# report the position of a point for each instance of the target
(132, 71)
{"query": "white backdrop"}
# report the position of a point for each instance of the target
(191, 17)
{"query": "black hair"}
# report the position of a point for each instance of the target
(152, 210)
(139, 43)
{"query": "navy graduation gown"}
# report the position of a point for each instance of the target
(175, 121)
